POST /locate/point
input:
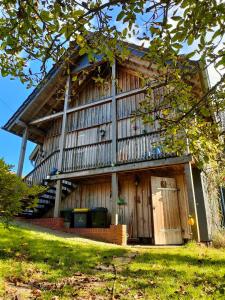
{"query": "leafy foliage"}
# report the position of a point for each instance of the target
(52, 30)
(15, 195)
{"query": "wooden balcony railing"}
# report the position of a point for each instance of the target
(140, 148)
(42, 170)
(87, 157)
(132, 149)
(137, 148)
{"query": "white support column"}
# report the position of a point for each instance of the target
(61, 149)
(192, 201)
(22, 152)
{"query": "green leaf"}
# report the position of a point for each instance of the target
(190, 39)
(120, 16)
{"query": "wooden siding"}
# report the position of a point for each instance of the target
(90, 194)
(166, 211)
(89, 130)
(135, 191)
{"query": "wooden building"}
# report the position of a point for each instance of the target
(105, 157)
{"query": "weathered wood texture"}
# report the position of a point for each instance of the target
(22, 152)
(166, 211)
(135, 195)
(88, 142)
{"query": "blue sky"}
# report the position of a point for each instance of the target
(13, 93)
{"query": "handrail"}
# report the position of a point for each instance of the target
(140, 147)
(40, 165)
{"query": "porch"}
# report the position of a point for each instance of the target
(152, 203)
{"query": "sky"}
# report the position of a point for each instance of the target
(12, 95)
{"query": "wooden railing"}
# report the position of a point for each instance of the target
(87, 157)
(141, 148)
(42, 170)
(132, 149)
(137, 148)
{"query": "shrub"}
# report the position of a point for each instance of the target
(218, 240)
(15, 195)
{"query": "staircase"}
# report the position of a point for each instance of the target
(46, 201)
(39, 176)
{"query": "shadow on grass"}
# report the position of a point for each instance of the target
(66, 257)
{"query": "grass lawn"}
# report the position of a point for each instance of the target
(36, 265)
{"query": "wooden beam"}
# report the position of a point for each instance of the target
(64, 121)
(85, 106)
(58, 197)
(22, 152)
(126, 167)
(114, 220)
(33, 129)
(47, 118)
(192, 201)
(114, 116)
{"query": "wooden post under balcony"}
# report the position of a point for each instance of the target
(114, 220)
(22, 152)
(61, 149)
(114, 182)
(192, 201)
(114, 116)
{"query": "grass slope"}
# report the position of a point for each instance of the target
(36, 265)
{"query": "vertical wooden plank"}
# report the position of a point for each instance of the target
(58, 198)
(64, 121)
(192, 201)
(114, 198)
(183, 204)
(114, 116)
(167, 225)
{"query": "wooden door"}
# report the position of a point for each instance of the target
(166, 214)
(137, 211)
(143, 208)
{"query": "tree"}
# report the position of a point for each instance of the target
(15, 195)
(46, 31)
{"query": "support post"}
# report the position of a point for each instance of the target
(114, 198)
(114, 116)
(202, 206)
(192, 201)
(64, 121)
(58, 198)
(61, 150)
(22, 152)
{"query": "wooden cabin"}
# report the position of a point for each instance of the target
(106, 158)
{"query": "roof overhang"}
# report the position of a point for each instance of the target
(33, 106)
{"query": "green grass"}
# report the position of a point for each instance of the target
(48, 266)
